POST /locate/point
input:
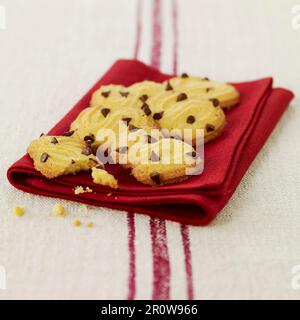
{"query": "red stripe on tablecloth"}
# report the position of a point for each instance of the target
(188, 260)
(175, 36)
(160, 252)
(156, 34)
(138, 28)
(131, 248)
(161, 263)
(183, 228)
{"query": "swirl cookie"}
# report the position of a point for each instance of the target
(178, 111)
(56, 156)
(94, 120)
(221, 93)
(164, 162)
(112, 96)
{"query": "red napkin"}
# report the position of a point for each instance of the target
(195, 201)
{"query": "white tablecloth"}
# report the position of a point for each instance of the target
(51, 52)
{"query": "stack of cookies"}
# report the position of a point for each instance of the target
(151, 128)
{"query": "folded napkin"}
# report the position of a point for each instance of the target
(195, 201)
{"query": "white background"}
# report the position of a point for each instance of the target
(51, 52)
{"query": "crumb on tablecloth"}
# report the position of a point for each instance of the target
(18, 211)
(77, 223)
(90, 224)
(59, 210)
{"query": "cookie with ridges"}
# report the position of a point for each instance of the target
(54, 156)
(178, 111)
(93, 121)
(145, 89)
(223, 94)
(111, 93)
(166, 161)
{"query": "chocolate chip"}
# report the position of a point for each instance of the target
(205, 79)
(155, 177)
(158, 115)
(105, 94)
(69, 133)
(146, 109)
(144, 98)
(131, 127)
(190, 119)
(87, 151)
(209, 89)
(215, 102)
(181, 96)
(105, 112)
(42, 134)
(73, 161)
(122, 150)
(44, 157)
(168, 86)
(209, 127)
(184, 75)
(127, 120)
(124, 94)
(90, 139)
(192, 154)
(54, 140)
(150, 139)
(106, 153)
(154, 157)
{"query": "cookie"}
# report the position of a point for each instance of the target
(102, 177)
(60, 155)
(179, 111)
(113, 96)
(163, 162)
(146, 89)
(92, 122)
(222, 94)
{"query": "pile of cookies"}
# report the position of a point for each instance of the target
(154, 117)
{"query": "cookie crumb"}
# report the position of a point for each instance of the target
(102, 177)
(76, 223)
(18, 211)
(59, 210)
(80, 190)
(90, 224)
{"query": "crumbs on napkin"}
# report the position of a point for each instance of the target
(80, 190)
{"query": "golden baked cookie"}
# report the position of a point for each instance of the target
(102, 177)
(178, 111)
(146, 89)
(165, 161)
(112, 96)
(98, 125)
(222, 94)
(54, 156)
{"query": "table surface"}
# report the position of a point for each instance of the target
(51, 52)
